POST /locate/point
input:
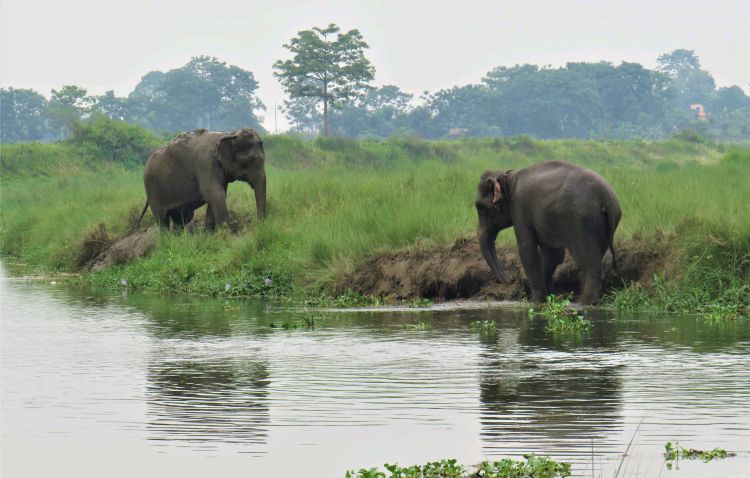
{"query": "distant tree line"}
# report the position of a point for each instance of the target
(328, 83)
(579, 100)
(205, 93)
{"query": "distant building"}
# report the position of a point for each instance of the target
(700, 112)
(456, 132)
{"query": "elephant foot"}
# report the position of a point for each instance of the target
(538, 297)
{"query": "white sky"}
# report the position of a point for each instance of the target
(416, 45)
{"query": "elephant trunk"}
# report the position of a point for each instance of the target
(260, 197)
(487, 246)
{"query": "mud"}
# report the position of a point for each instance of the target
(460, 272)
(100, 251)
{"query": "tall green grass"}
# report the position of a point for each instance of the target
(333, 202)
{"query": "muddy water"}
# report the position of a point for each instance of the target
(130, 385)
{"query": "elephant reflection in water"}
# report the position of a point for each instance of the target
(527, 391)
(197, 392)
(204, 402)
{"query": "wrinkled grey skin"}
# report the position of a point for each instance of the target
(552, 206)
(195, 169)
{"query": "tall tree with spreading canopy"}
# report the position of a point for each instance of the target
(327, 65)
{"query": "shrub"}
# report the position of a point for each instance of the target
(118, 141)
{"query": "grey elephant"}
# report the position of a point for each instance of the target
(195, 168)
(552, 206)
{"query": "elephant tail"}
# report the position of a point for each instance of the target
(612, 219)
(143, 213)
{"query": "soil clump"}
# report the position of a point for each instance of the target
(460, 272)
(100, 251)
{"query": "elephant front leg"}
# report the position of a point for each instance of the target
(592, 284)
(216, 213)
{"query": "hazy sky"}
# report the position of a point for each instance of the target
(416, 45)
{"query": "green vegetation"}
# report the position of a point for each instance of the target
(533, 467)
(674, 453)
(334, 202)
(484, 326)
(561, 319)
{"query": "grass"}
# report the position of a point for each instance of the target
(560, 318)
(333, 202)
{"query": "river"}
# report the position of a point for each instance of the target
(123, 384)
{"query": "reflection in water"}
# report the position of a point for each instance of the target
(535, 390)
(204, 386)
(159, 378)
(206, 402)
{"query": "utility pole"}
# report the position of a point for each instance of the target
(275, 123)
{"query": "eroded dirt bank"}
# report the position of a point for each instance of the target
(99, 251)
(440, 273)
(460, 272)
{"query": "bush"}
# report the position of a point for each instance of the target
(689, 136)
(737, 158)
(118, 141)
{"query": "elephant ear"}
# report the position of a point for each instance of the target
(225, 150)
(497, 191)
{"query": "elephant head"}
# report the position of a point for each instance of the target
(493, 209)
(242, 157)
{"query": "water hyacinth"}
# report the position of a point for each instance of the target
(227, 286)
(267, 281)
(123, 282)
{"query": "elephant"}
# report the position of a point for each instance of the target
(195, 168)
(552, 206)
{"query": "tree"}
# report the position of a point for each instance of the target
(303, 114)
(327, 65)
(205, 93)
(111, 106)
(22, 115)
(677, 62)
(728, 99)
(464, 109)
(67, 106)
(380, 112)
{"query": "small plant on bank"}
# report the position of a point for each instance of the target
(420, 303)
(533, 467)
(310, 320)
(307, 320)
(561, 319)
(673, 453)
(350, 298)
(484, 326)
(721, 313)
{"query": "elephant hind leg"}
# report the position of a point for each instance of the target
(551, 258)
(181, 217)
(588, 257)
(161, 216)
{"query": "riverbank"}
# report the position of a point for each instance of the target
(336, 205)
